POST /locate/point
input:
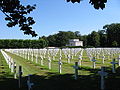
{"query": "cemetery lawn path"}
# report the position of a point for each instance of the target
(27, 66)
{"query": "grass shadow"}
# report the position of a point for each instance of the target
(55, 81)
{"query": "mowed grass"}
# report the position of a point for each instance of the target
(46, 79)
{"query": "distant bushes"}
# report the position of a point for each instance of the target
(14, 43)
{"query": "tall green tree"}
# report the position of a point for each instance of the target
(42, 43)
(103, 38)
(52, 40)
(94, 39)
(85, 40)
(113, 33)
(63, 37)
(45, 39)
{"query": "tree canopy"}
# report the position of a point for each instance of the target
(113, 33)
(108, 37)
(96, 3)
(16, 13)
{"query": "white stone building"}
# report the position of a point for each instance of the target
(75, 42)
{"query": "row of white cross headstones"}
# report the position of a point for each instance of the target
(31, 53)
(22, 53)
(93, 59)
(102, 73)
(12, 66)
(60, 56)
(10, 62)
(102, 52)
(41, 56)
(67, 52)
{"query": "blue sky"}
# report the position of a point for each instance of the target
(52, 16)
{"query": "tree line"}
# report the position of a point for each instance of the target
(109, 36)
(15, 43)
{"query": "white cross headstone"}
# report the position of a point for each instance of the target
(23, 53)
(29, 83)
(36, 58)
(29, 55)
(80, 60)
(103, 59)
(108, 56)
(41, 60)
(44, 55)
(60, 53)
(76, 67)
(12, 65)
(97, 55)
(93, 60)
(48, 52)
(9, 62)
(102, 74)
(26, 54)
(32, 56)
(60, 65)
(119, 60)
(49, 62)
(68, 58)
(113, 65)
